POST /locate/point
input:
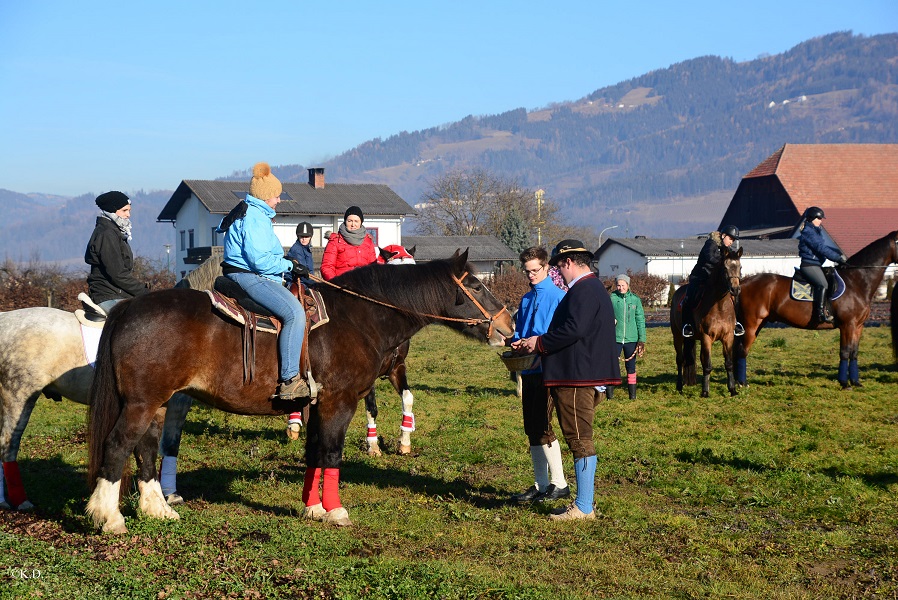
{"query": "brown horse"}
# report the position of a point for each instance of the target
(173, 340)
(715, 319)
(765, 298)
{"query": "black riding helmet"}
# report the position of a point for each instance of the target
(814, 212)
(304, 229)
(730, 230)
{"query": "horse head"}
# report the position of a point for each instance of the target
(484, 313)
(732, 270)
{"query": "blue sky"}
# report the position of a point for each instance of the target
(139, 95)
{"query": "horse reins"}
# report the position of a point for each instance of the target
(458, 280)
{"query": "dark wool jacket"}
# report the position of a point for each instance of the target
(708, 259)
(111, 263)
(813, 248)
(578, 350)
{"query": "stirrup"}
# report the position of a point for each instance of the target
(688, 331)
(295, 388)
(739, 329)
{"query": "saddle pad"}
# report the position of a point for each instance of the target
(804, 292)
(229, 308)
(90, 334)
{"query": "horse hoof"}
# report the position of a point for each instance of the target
(705, 394)
(405, 450)
(374, 451)
(315, 512)
(338, 516)
(174, 499)
(25, 506)
(115, 526)
(6, 505)
(293, 431)
(846, 387)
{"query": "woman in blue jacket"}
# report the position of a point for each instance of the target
(254, 259)
(813, 250)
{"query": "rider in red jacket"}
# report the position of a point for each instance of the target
(349, 248)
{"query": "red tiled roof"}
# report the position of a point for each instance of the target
(854, 228)
(855, 184)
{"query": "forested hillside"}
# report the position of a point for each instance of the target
(687, 132)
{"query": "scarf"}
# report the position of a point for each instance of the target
(354, 238)
(124, 225)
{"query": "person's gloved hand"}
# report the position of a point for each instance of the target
(640, 349)
(843, 260)
(298, 270)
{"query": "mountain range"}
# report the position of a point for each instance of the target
(659, 155)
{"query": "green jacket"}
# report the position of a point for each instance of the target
(629, 317)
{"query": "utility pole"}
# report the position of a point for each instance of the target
(539, 217)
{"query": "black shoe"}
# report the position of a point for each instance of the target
(687, 330)
(554, 493)
(529, 496)
(739, 330)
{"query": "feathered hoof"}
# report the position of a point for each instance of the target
(115, 526)
(315, 512)
(174, 499)
(293, 431)
(405, 450)
(338, 516)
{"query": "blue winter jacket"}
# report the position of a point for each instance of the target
(535, 313)
(812, 246)
(250, 243)
(303, 255)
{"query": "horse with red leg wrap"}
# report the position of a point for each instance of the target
(374, 310)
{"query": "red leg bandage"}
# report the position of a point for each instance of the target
(15, 491)
(372, 433)
(310, 495)
(408, 422)
(331, 495)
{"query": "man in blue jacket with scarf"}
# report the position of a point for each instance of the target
(578, 356)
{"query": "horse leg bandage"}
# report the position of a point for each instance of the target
(408, 422)
(15, 491)
(372, 434)
(331, 494)
(168, 474)
(310, 495)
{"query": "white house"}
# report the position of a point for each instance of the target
(485, 252)
(673, 259)
(196, 208)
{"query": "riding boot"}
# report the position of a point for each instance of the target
(820, 305)
(609, 392)
(631, 387)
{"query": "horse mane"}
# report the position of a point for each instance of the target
(871, 253)
(203, 276)
(416, 288)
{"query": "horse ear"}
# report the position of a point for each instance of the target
(386, 255)
(459, 260)
(411, 250)
(739, 252)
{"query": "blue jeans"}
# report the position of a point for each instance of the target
(278, 299)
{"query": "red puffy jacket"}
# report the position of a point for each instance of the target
(341, 256)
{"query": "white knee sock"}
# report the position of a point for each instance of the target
(556, 468)
(540, 467)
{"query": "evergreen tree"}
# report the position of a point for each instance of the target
(513, 232)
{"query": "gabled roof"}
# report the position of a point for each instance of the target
(219, 197)
(855, 184)
(480, 247)
(690, 247)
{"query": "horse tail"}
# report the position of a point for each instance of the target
(689, 361)
(893, 315)
(105, 404)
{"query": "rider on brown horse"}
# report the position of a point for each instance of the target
(813, 249)
(708, 259)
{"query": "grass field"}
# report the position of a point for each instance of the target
(786, 491)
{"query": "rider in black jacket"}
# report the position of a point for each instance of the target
(709, 259)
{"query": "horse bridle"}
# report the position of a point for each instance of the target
(470, 322)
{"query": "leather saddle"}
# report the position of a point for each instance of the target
(802, 290)
(232, 301)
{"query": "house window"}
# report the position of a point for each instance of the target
(190, 238)
(214, 237)
(182, 240)
(372, 231)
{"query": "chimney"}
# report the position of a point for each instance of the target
(316, 178)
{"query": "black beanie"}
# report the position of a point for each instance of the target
(354, 210)
(112, 201)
